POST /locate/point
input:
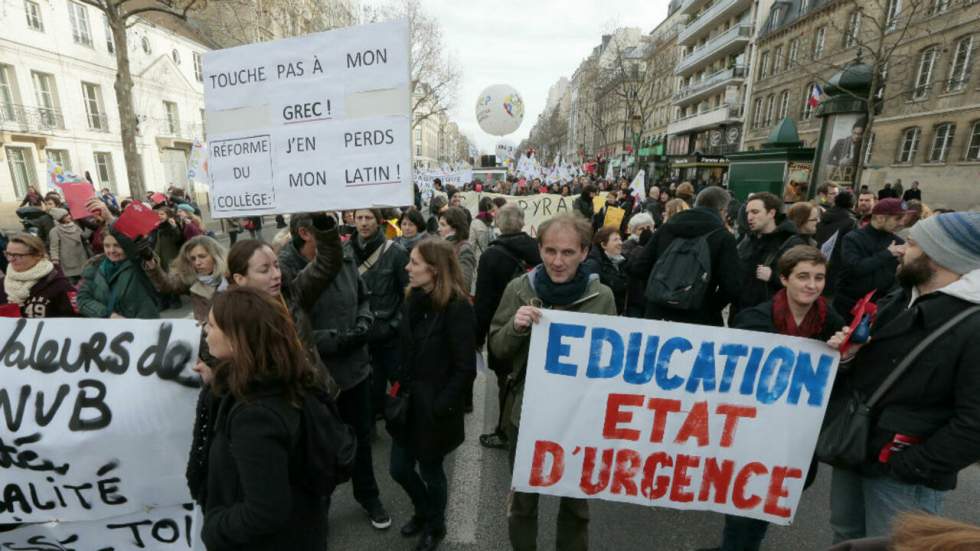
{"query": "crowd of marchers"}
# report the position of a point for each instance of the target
(381, 315)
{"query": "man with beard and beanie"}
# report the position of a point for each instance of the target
(381, 263)
(561, 283)
(341, 320)
(508, 257)
(926, 427)
(869, 256)
(770, 235)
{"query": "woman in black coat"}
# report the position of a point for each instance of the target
(438, 364)
(253, 494)
(607, 261)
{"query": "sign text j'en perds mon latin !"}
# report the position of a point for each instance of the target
(319, 122)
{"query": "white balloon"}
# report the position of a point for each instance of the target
(499, 110)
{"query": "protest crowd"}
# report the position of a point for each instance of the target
(380, 316)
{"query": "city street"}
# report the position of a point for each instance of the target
(479, 479)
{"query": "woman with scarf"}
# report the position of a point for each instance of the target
(606, 260)
(114, 284)
(413, 229)
(198, 271)
(248, 464)
(69, 249)
(796, 310)
(32, 282)
(454, 227)
(438, 365)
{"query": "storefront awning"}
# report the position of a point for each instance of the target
(723, 164)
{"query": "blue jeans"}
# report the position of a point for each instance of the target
(428, 492)
(864, 507)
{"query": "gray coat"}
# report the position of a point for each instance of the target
(68, 248)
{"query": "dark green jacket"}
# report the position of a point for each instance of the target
(134, 294)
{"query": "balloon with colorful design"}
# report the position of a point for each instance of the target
(499, 110)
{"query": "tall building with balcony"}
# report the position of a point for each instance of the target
(57, 71)
(709, 101)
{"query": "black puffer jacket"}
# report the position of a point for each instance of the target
(937, 399)
(498, 265)
(439, 363)
(610, 274)
(255, 501)
(340, 317)
(866, 264)
(840, 221)
(724, 265)
(763, 249)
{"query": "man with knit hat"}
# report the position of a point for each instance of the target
(926, 427)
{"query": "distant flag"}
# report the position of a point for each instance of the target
(815, 95)
(638, 185)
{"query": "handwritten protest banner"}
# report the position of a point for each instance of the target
(95, 417)
(537, 208)
(319, 122)
(670, 414)
(175, 528)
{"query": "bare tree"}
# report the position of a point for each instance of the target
(435, 74)
(120, 15)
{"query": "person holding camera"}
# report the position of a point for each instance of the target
(114, 284)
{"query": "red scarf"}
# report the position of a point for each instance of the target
(782, 317)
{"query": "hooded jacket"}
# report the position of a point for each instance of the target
(937, 399)
(68, 248)
(763, 249)
(499, 266)
(340, 316)
(724, 286)
(128, 292)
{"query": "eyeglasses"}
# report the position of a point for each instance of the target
(16, 256)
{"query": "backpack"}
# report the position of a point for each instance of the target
(521, 266)
(329, 444)
(680, 277)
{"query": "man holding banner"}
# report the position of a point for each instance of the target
(561, 283)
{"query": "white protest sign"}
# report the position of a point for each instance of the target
(319, 122)
(537, 208)
(96, 416)
(671, 415)
(176, 528)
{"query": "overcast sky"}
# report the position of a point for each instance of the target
(528, 44)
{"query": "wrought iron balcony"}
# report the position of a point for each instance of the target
(24, 118)
(709, 83)
(729, 42)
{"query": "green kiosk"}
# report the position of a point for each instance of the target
(781, 167)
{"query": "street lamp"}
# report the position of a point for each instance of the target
(636, 126)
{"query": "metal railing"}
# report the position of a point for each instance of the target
(698, 54)
(25, 118)
(739, 71)
(704, 19)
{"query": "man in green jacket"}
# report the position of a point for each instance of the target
(558, 283)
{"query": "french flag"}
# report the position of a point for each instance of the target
(815, 94)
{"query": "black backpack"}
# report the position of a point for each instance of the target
(521, 266)
(681, 276)
(329, 444)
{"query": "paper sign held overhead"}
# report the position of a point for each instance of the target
(312, 123)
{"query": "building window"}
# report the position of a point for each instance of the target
(764, 65)
(910, 145)
(33, 10)
(198, 68)
(176, 56)
(145, 44)
(818, 42)
(937, 7)
(777, 59)
(770, 103)
(47, 100)
(973, 150)
(794, 50)
(853, 29)
(6, 92)
(868, 147)
(783, 104)
(959, 71)
(81, 33)
(807, 108)
(173, 118)
(923, 79)
(941, 142)
(110, 46)
(103, 167)
(59, 156)
(757, 113)
(804, 4)
(892, 11)
(92, 95)
(21, 164)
